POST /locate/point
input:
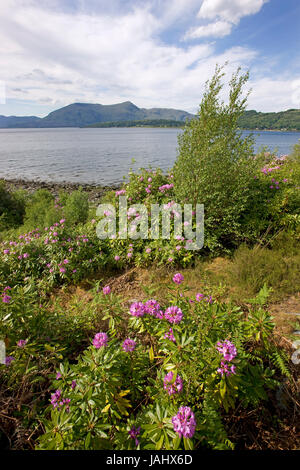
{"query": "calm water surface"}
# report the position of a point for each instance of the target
(100, 156)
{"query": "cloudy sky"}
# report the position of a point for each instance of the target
(155, 53)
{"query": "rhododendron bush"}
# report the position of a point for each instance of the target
(160, 382)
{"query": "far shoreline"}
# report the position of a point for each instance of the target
(95, 191)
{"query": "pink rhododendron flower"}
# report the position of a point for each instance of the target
(173, 386)
(137, 309)
(184, 422)
(100, 340)
(178, 278)
(173, 314)
(129, 345)
(228, 350)
(106, 290)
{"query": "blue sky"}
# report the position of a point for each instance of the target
(155, 53)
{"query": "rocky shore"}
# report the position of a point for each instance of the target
(95, 192)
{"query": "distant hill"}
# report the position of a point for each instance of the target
(84, 114)
(283, 120)
(19, 121)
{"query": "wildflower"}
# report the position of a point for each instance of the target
(65, 261)
(6, 299)
(62, 270)
(73, 385)
(8, 360)
(173, 314)
(133, 433)
(120, 192)
(227, 349)
(178, 278)
(106, 290)
(137, 309)
(26, 255)
(199, 296)
(117, 257)
(148, 250)
(58, 376)
(152, 307)
(6, 252)
(100, 340)
(169, 335)
(62, 221)
(129, 255)
(173, 386)
(57, 401)
(170, 260)
(21, 343)
(184, 422)
(226, 369)
(129, 345)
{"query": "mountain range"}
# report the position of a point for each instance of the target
(84, 114)
(123, 114)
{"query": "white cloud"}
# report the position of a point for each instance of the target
(218, 29)
(229, 10)
(56, 57)
(273, 95)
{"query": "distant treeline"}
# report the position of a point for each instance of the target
(140, 123)
(283, 120)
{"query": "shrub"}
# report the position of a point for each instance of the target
(214, 165)
(191, 355)
(12, 207)
(76, 209)
(41, 210)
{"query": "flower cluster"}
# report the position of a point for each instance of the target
(5, 297)
(58, 401)
(227, 369)
(178, 278)
(133, 433)
(173, 386)
(169, 335)
(106, 290)
(184, 422)
(173, 314)
(129, 345)
(137, 309)
(152, 307)
(8, 360)
(166, 187)
(229, 352)
(100, 340)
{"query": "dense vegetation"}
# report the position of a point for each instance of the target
(177, 366)
(140, 123)
(284, 120)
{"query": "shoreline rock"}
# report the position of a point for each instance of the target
(94, 191)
